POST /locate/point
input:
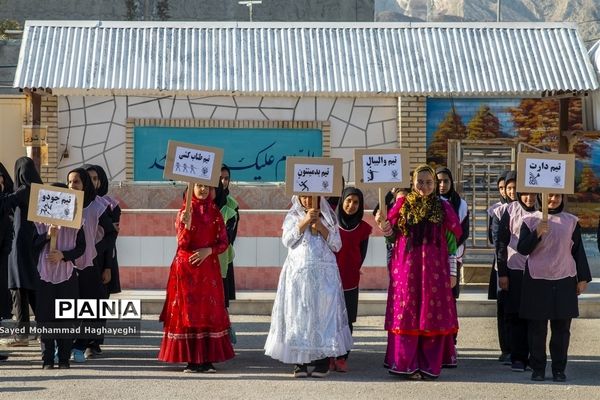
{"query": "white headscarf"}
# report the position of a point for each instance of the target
(329, 217)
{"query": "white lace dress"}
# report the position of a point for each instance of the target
(309, 320)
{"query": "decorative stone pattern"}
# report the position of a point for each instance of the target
(93, 128)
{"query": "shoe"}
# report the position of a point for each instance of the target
(320, 372)
(3, 357)
(95, 349)
(64, 365)
(78, 356)
(208, 368)
(341, 365)
(89, 353)
(332, 363)
(14, 342)
(48, 366)
(504, 359)
(559, 376)
(538, 376)
(300, 371)
(191, 369)
(426, 377)
(415, 376)
(517, 366)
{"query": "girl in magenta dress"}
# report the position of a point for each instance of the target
(196, 323)
(421, 314)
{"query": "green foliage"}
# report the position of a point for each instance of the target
(7, 25)
(162, 10)
(132, 8)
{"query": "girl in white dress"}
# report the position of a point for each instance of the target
(309, 322)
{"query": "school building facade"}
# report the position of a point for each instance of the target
(109, 93)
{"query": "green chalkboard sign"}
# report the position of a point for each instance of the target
(252, 154)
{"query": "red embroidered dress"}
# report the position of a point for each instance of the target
(196, 323)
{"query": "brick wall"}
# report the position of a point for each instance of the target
(412, 119)
(49, 118)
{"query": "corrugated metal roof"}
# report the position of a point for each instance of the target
(303, 58)
(594, 54)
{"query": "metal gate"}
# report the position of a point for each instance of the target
(476, 166)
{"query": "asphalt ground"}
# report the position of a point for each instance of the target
(128, 369)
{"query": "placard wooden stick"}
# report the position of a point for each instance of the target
(315, 205)
(188, 204)
(53, 240)
(382, 204)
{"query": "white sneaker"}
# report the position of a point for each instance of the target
(14, 342)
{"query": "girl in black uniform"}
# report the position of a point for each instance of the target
(556, 272)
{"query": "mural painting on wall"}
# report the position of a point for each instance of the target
(532, 121)
(253, 154)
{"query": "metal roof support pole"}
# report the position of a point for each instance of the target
(35, 105)
(563, 125)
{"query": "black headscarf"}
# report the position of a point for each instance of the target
(220, 196)
(26, 173)
(224, 167)
(510, 176)
(556, 210)
(452, 196)
(525, 207)
(9, 186)
(103, 188)
(346, 221)
(89, 192)
(502, 177)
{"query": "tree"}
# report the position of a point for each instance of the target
(7, 25)
(483, 125)
(451, 127)
(536, 123)
(589, 180)
(162, 10)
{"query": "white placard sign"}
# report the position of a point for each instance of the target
(540, 173)
(381, 168)
(57, 205)
(313, 178)
(193, 163)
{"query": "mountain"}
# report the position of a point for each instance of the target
(586, 13)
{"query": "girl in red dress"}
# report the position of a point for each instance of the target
(354, 233)
(196, 323)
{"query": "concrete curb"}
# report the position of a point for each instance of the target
(371, 303)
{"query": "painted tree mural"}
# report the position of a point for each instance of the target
(589, 181)
(483, 125)
(451, 127)
(532, 121)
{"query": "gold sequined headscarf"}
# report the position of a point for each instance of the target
(417, 208)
